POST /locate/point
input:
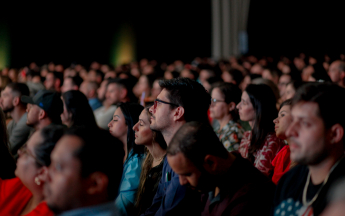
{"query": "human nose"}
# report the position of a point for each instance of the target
(275, 121)
(135, 127)
(238, 105)
(27, 108)
(110, 124)
(183, 180)
(151, 109)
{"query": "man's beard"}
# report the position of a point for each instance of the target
(8, 109)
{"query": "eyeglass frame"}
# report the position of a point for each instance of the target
(214, 100)
(24, 150)
(155, 102)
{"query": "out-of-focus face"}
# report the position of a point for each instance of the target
(156, 89)
(266, 74)
(66, 117)
(307, 72)
(189, 174)
(283, 81)
(33, 114)
(6, 100)
(219, 109)
(307, 134)
(246, 81)
(67, 85)
(65, 188)
(227, 77)
(117, 126)
(141, 86)
(245, 108)
(27, 169)
(162, 114)
(289, 92)
(334, 72)
(83, 88)
(283, 121)
(92, 76)
(113, 93)
(143, 132)
(49, 82)
(101, 90)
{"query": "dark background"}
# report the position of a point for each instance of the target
(164, 30)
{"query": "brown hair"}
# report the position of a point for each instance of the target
(146, 167)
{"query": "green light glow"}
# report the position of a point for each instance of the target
(123, 49)
(4, 46)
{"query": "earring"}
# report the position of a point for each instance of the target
(37, 180)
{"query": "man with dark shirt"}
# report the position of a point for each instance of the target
(181, 100)
(316, 142)
(232, 186)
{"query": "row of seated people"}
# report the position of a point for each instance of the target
(172, 160)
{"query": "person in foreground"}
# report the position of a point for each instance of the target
(282, 162)
(23, 195)
(231, 184)
(316, 137)
(85, 173)
(260, 145)
(121, 127)
(181, 100)
(153, 164)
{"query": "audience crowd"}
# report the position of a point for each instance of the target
(242, 136)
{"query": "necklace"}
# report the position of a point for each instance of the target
(304, 196)
(159, 158)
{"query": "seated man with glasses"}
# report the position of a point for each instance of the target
(181, 100)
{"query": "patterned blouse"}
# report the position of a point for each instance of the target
(265, 155)
(230, 135)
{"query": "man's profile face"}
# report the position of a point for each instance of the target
(162, 114)
(6, 101)
(49, 82)
(113, 93)
(334, 72)
(307, 134)
(64, 187)
(189, 174)
(33, 111)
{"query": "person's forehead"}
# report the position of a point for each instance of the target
(65, 148)
(180, 162)
(163, 95)
(305, 110)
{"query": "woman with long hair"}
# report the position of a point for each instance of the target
(77, 111)
(282, 162)
(260, 145)
(23, 195)
(153, 164)
(124, 118)
(225, 96)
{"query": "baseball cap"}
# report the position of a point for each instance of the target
(49, 101)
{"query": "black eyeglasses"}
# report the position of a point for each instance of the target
(24, 150)
(157, 100)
